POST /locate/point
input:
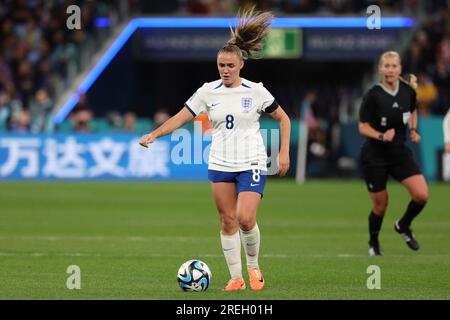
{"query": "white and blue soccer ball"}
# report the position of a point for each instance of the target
(194, 276)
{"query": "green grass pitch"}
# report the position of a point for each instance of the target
(130, 238)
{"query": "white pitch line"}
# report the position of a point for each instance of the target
(99, 238)
(165, 255)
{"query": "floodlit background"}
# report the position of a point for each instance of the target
(81, 81)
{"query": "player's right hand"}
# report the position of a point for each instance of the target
(389, 135)
(283, 163)
(146, 140)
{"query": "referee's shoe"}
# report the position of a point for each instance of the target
(374, 249)
(408, 236)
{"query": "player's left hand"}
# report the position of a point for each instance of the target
(414, 136)
(283, 163)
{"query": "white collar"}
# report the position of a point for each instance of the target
(392, 93)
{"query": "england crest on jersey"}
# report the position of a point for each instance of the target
(246, 104)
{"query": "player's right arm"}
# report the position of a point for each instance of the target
(173, 123)
(366, 130)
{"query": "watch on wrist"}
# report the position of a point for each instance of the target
(413, 129)
(381, 137)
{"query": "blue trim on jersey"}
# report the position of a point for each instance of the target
(221, 84)
(244, 85)
(189, 108)
(244, 180)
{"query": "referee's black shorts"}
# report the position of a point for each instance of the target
(377, 168)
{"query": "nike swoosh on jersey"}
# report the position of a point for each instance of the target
(213, 105)
(254, 184)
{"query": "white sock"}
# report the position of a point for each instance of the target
(231, 245)
(251, 240)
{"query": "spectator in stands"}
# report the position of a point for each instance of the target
(441, 78)
(317, 153)
(426, 50)
(41, 108)
(25, 82)
(115, 120)
(210, 7)
(198, 7)
(160, 116)
(306, 109)
(414, 61)
(129, 122)
(317, 137)
(5, 71)
(64, 55)
(82, 121)
(299, 6)
(443, 49)
(82, 115)
(23, 123)
(427, 94)
(4, 112)
(12, 103)
(38, 51)
(44, 76)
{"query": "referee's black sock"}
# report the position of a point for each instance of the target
(375, 222)
(412, 211)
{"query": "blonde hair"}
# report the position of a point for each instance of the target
(248, 36)
(412, 81)
(389, 54)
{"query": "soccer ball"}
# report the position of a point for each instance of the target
(194, 276)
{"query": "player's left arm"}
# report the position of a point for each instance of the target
(285, 126)
(413, 134)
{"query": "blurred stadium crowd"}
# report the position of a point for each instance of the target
(279, 7)
(39, 56)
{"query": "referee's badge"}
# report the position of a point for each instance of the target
(406, 116)
(246, 104)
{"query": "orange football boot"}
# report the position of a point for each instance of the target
(235, 285)
(256, 278)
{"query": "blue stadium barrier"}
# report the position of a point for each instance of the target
(101, 156)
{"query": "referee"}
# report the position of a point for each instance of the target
(388, 113)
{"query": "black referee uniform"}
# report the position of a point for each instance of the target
(383, 109)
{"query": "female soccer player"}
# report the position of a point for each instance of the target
(388, 108)
(237, 161)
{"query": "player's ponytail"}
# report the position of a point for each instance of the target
(248, 36)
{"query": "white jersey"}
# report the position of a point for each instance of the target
(237, 144)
